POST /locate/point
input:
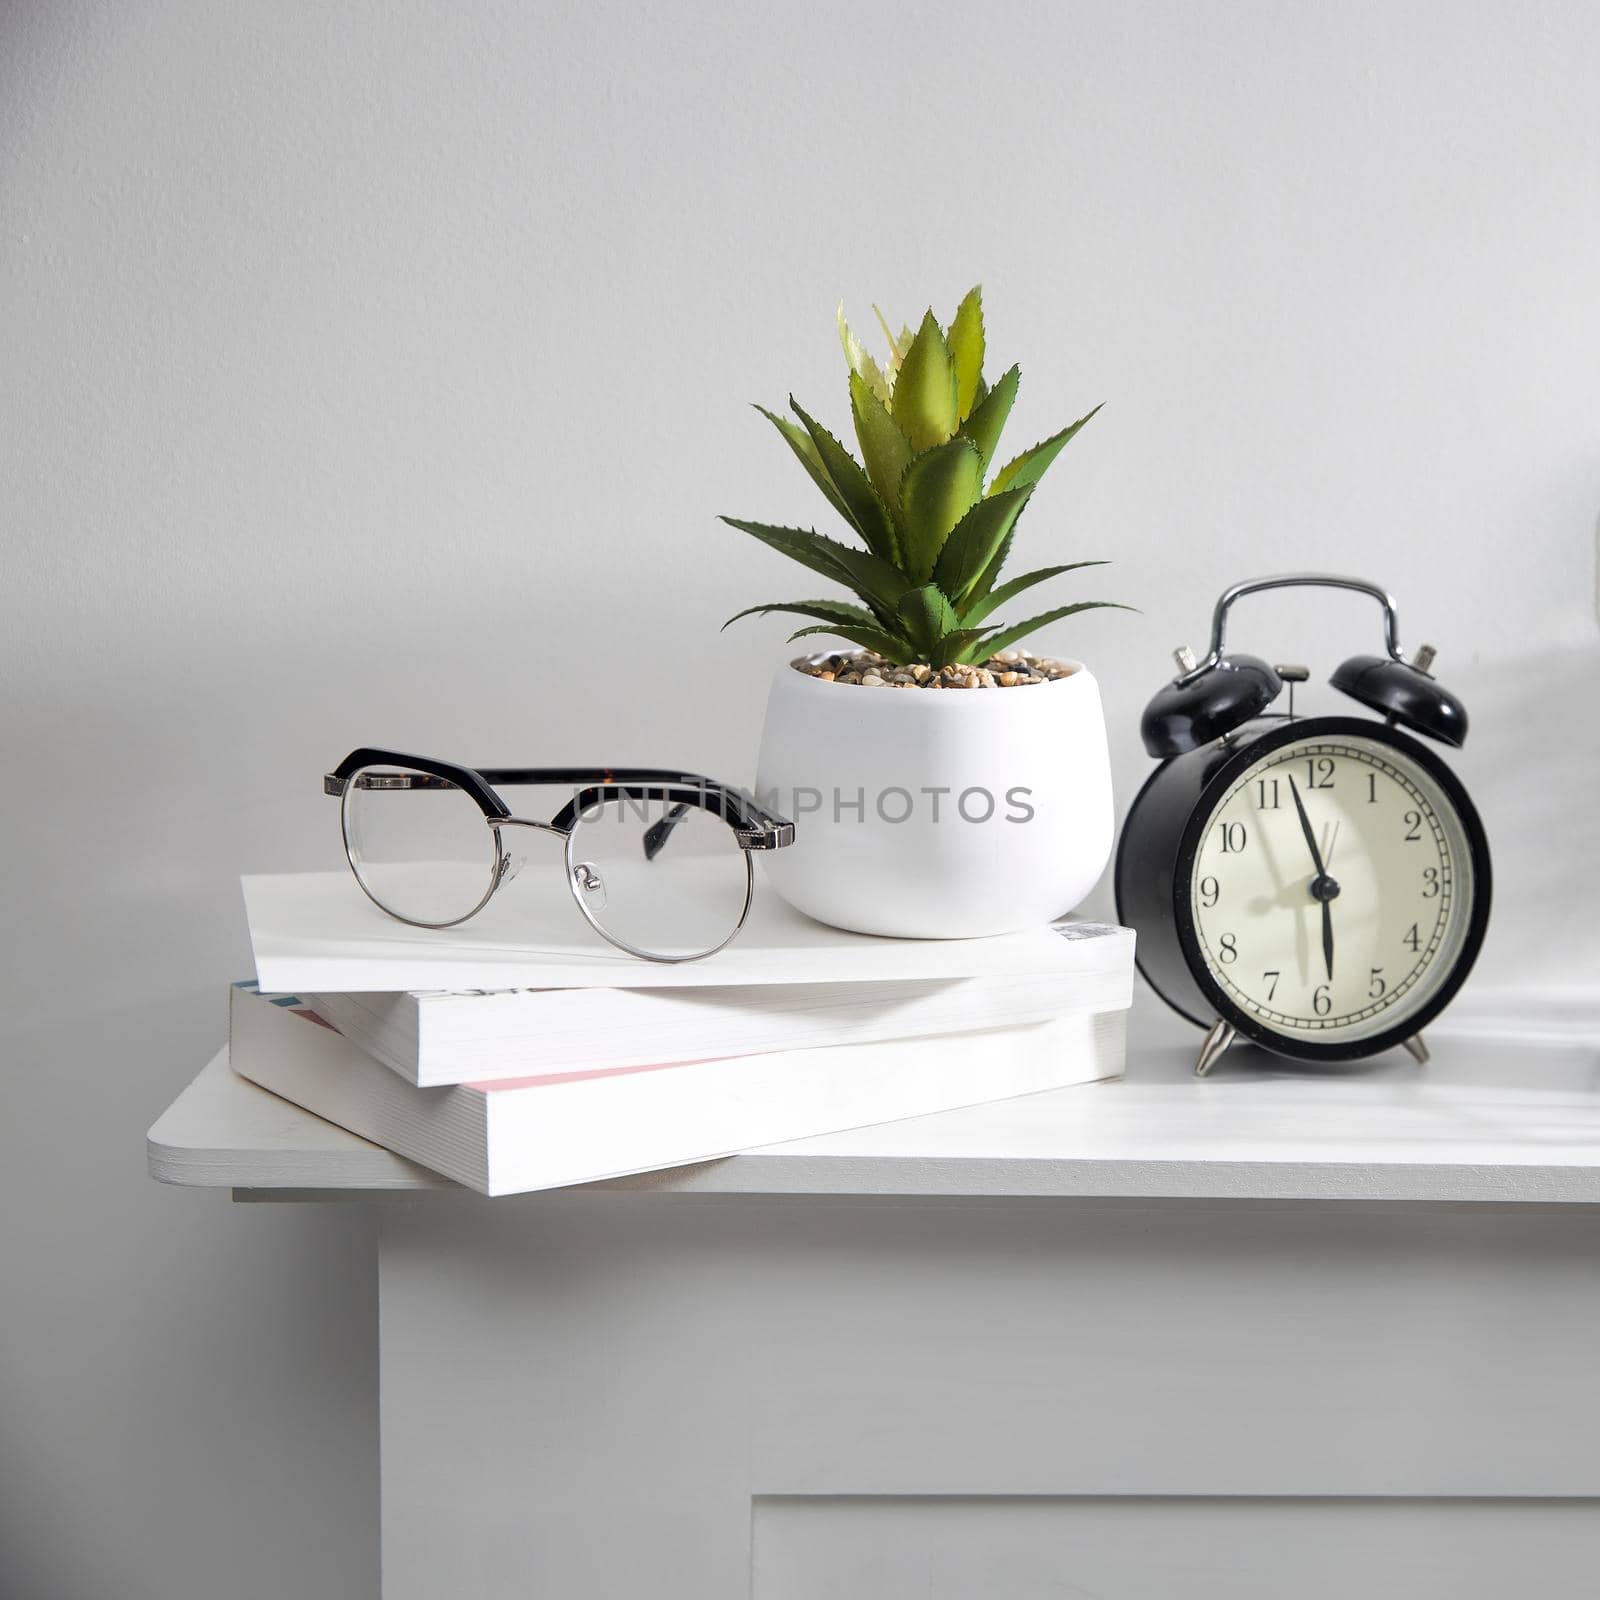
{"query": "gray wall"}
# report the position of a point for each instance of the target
(373, 372)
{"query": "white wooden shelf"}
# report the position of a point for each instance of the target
(223, 1132)
(1495, 1120)
(858, 1394)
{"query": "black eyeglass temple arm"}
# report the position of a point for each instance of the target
(761, 829)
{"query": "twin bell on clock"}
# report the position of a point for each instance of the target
(1319, 885)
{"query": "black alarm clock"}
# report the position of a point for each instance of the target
(1319, 885)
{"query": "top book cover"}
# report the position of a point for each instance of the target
(316, 932)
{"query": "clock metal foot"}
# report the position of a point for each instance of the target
(1221, 1036)
(1416, 1049)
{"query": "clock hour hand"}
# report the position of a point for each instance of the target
(1323, 888)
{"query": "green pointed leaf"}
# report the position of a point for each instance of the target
(986, 604)
(1007, 637)
(884, 448)
(937, 490)
(826, 610)
(861, 364)
(975, 540)
(926, 616)
(897, 347)
(988, 417)
(868, 514)
(897, 649)
(966, 351)
(799, 441)
(1030, 466)
(986, 580)
(924, 402)
(875, 581)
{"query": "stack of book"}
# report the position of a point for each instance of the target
(511, 1055)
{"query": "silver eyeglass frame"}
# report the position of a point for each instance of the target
(761, 830)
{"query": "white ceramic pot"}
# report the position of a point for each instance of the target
(936, 814)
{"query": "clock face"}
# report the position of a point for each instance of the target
(1332, 890)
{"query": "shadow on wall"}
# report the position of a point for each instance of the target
(1532, 762)
(1532, 766)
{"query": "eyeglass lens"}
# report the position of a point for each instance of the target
(684, 899)
(425, 854)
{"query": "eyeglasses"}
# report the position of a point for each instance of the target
(658, 861)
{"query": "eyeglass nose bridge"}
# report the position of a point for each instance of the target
(584, 878)
(511, 865)
(497, 823)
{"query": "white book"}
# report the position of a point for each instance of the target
(544, 1132)
(317, 933)
(433, 1038)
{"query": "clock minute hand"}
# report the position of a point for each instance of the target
(1305, 828)
(1323, 888)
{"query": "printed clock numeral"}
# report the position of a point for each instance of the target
(1272, 987)
(1430, 883)
(1234, 837)
(1319, 772)
(1227, 949)
(1210, 892)
(1267, 796)
(1413, 827)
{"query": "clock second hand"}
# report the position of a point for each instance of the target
(1323, 888)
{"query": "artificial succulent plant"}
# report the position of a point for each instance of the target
(935, 522)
